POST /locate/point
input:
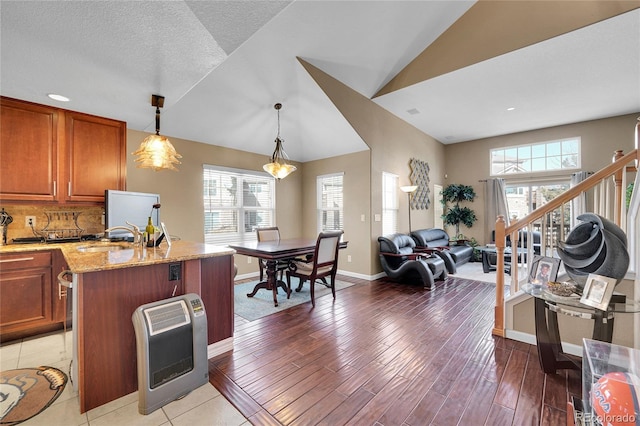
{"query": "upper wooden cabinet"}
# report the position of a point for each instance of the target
(53, 155)
(95, 155)
(29, 140)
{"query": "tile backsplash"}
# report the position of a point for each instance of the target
(58, 220)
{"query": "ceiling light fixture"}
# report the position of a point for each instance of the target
(278, 167)
(155, 151)
(511, 108)
(59, 98)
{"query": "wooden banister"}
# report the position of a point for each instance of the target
(498, 330)
(572, 193)
(615, 169)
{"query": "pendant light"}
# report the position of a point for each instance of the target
(278, 166)
(155, 151)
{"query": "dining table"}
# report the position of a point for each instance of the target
(273, 252)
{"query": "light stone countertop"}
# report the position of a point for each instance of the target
(129, 256)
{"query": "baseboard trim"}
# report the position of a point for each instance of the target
(361, 276)
(250, 275)
(569, 348)
(220, 347)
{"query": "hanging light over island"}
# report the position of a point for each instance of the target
(155, 151)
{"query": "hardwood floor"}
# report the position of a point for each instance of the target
(390, 354)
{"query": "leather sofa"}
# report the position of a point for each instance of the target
(438, 239)
(401, 263)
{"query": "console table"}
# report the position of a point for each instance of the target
(547, 307)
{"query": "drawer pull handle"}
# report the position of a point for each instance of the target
(20, 259)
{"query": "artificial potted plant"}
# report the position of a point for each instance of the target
(455, 215)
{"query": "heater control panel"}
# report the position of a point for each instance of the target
(197, 307)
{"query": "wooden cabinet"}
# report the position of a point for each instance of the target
(59, 156)
(30, 303)
(106, 337)
(95, 156)
(27, 296)
(29, 145)
(106, 302)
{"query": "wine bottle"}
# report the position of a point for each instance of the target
(150, 231)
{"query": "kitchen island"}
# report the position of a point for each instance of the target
(110, 280)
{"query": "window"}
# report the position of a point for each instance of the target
(330, 202)
(546, 156)
(389, 203)
(236, 202)
(524, 198)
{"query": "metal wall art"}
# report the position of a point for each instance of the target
(420, 176)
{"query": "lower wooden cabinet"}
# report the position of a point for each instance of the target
(29, 301)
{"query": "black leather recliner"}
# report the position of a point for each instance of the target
(400, 262)
(436, 238)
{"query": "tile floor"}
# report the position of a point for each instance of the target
(202, 407)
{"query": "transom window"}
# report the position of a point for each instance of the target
(330, 202)
(545, 156)
(236, 202)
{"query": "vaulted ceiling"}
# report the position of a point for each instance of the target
(450, 68)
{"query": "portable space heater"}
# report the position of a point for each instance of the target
(171, 338)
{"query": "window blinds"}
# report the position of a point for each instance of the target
(236, 202)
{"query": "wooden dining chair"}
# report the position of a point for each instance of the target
(323, 264)
(271, 233)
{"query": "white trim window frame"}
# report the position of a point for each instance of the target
(390, 203)
(551, 156)
(330, 202)
(236, 202)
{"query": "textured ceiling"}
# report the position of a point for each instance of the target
(222, 65)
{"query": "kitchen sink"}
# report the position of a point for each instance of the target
(100, 248)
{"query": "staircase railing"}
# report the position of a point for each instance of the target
(551, 221)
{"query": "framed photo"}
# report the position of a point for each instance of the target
(597, 291)
(544, 269)
(166, 233)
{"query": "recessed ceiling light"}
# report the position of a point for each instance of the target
(511, 108)
(413, 111)
(58, 97)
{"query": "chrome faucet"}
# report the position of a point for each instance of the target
(137, 235)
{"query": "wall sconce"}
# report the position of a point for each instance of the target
(278, 167)
(155, 151)
(410, 189)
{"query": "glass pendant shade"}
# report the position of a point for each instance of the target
(155, 151)
(278, 167)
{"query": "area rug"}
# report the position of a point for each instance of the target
(261, 305)
(26, 392)
(473, 271)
